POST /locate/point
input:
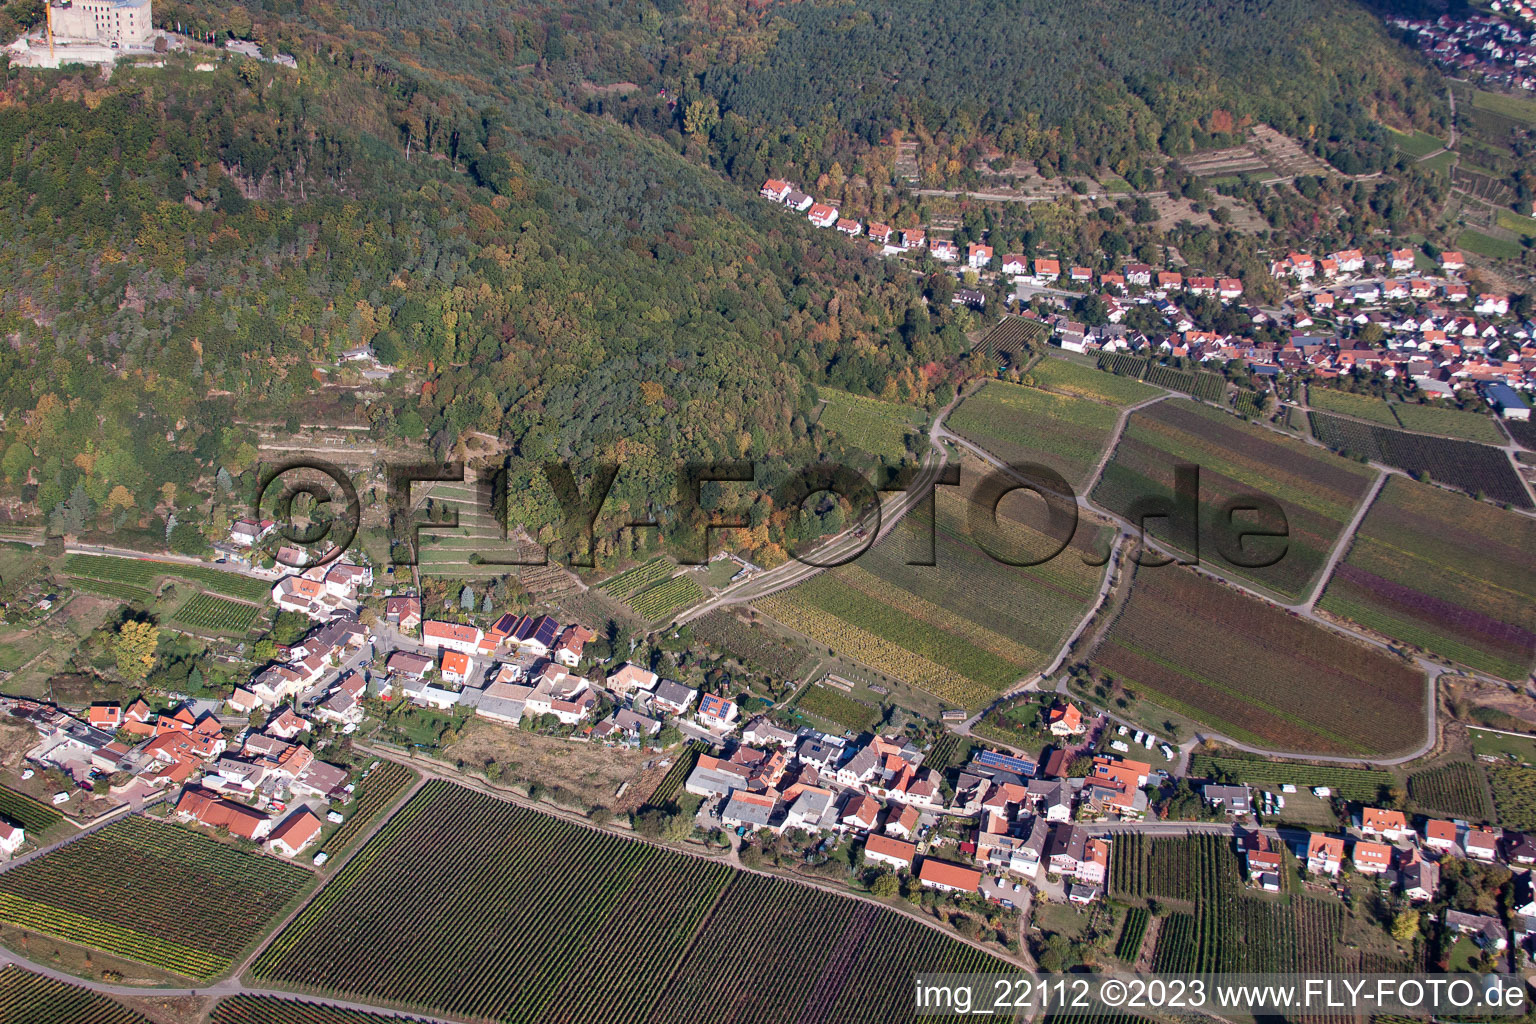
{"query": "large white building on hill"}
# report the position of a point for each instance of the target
(125, 22)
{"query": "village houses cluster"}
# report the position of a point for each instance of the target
(1450, 339)
(1501, 50)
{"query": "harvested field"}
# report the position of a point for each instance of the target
(1438, 571)
(1317, 492)
(1272, 680)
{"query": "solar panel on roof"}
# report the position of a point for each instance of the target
(1002, 762)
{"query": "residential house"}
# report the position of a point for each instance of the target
(879, 232)
(1065, 720)
(1452, 260)
(247, 533)
(1419, 878)
(1488, 932)
(750, 810)
(1371, 858)
(1325, 854)
(404, 663)
(1387, 824)
(849, 226)
(894, 853)
(437, 635)
(1520, 849)
(1047, 271)
(1234, 800)
(572, 642)
(286, 724)
(971, 298)
(798, 201)
(457, 667)
(1439, 834)
(822, 215)
(762, 733)
(1053, 798)
(1065, 849)
(11, 838)
(913, 239)
(629, 677)
(1093, 869)
(534, 634)
(570, 698)
(404, 613)
(1014, 265)
(296, 832)
(1229, 288)
(776, 189)
(1262, 863)
(628, 726)
(820, 753)
(210, 809)
(716, 712)
(861, 812)
(905, 824)
(812, 808)
(1138, 274)
(674, 698)
(979, 256)
(946, 877)
(1400, 259)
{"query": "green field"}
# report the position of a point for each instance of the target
(837, 707)
(143, 572)
(965, 627)
(1363, 407)
(1439, 163)
(1430, 419)
(880, 428)
(1509, 220)
(1451, 575)
(125, 890)
(435, 911)
(1070, 378)
(209, 614)
(1256, 673)
(1486, 245)
(1415, 144)
(1519, 749)
(1024, 425)
(125, 592)
(1317, 491)
(1516, 107)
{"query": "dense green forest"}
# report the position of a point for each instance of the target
(794, 86)
(185, 249)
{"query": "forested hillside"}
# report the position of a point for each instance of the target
(185, 248)
(1073, 85)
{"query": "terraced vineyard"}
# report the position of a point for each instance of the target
(1317, 492)
(125, 592)
(382, 786)
(143, 573)
(1131, 934)
(273, 1010)
(1024, 425)
(838, 707)
(1453, 576)
(210, 614)
(124, 890)
(1514, 795)
(671, 783)
(1365, 785)
(574, 924)
(632, 581)
(1209, 387)
(965, 627)
(1272, 680)
(34, 816)
(666, 598)
(1477, 469)
(869, 424)
(1229, 930)
(1014, 340)
(472, 549)
(27, 998)
(1457, 790)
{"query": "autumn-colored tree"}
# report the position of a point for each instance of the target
(134, 648)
